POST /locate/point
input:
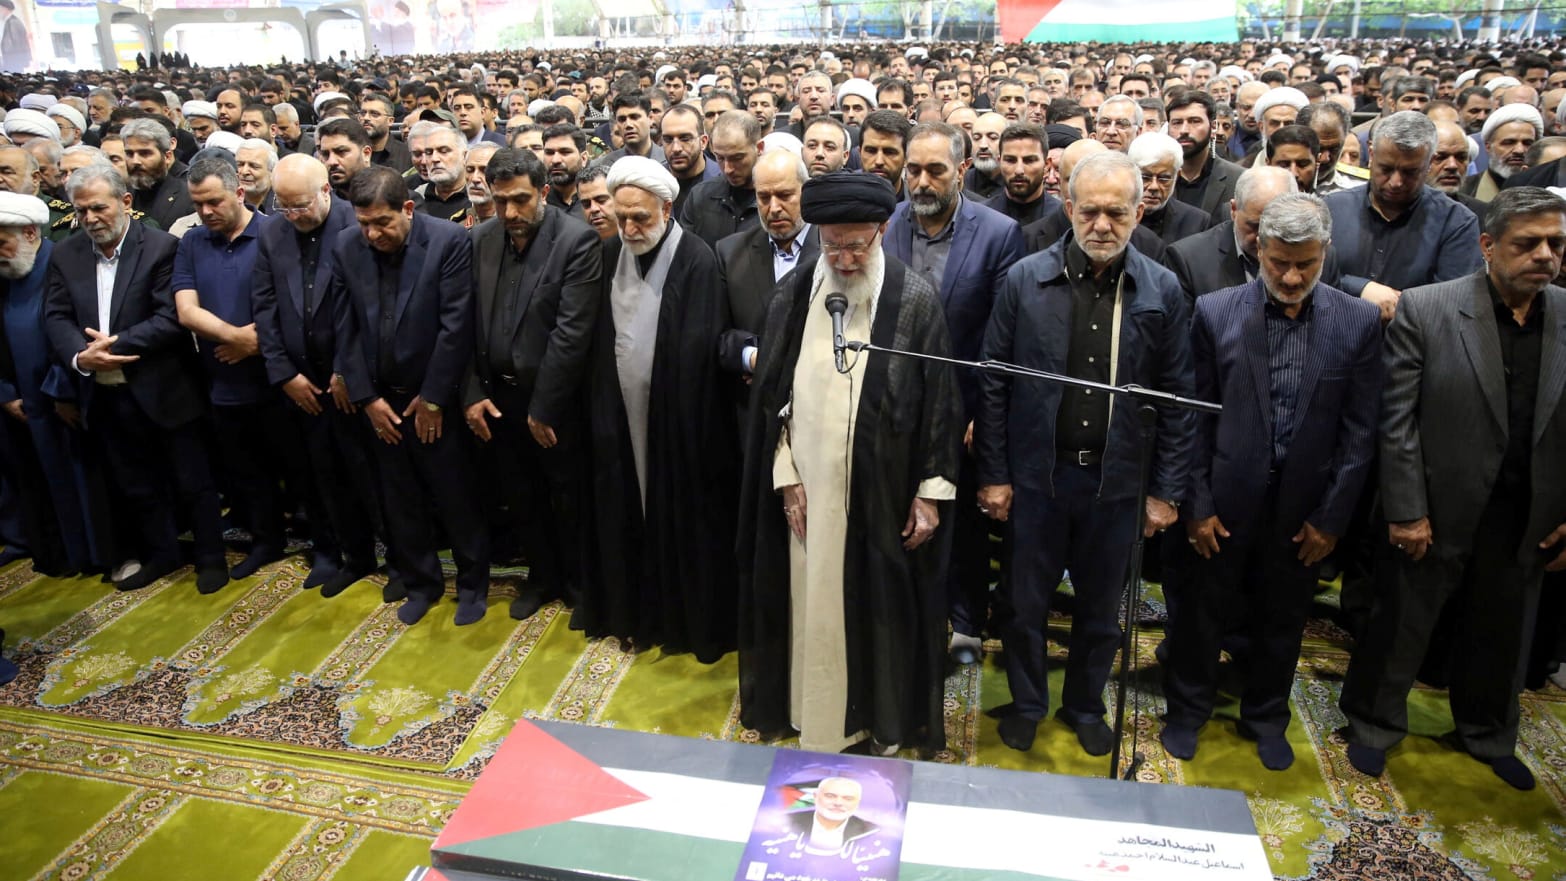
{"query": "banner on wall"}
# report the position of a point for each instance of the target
(1116, 21)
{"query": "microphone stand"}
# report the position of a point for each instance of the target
(1147, 403)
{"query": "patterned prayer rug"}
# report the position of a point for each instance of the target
(305, 688)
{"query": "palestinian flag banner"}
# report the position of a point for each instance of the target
(1116, 21)
(561, 801)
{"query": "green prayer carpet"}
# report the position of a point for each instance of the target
(263, 732)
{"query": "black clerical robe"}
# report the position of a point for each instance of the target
(666, 577)
(908, 427)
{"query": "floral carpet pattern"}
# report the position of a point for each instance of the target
(151, 725)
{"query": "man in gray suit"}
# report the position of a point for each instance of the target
(1473, 483)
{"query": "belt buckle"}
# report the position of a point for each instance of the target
(1083, 456)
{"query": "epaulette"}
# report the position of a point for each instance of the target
(456, 216)
(61, 205)
(410, 174)
(66, 221)
(136, 215)
(1354, 171)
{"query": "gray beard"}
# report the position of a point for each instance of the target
(986, 167)
(1499, 168)
(859, 287)
(18, 266)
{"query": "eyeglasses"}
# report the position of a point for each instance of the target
(294, 210)
(1116, 124)
(1163, 180)
(857, 249)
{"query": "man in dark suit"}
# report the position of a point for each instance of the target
(297, 339)
(1473, 485)
(109, 313)
(1024, 159)
(1060, 464)
(752, 262)
(1225, 256)
(1206, 180)
(1296, 365)
(403, 294)
(965, 250)
(537, 271)
(157, 178)
(1159, 157)
(832, 826)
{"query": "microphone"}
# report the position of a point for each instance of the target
(837, 304)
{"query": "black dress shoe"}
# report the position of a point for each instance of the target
(1094, 734)
(344, 579)
(259, 556)
(527, 604)
(1018, 732)
(211, 578)
(150, 571)
(394, 590)
(1367, 760)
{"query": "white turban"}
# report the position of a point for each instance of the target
(1237, 72)
(328, 95)
(1278, 58)
(227, 140)
(31, 122)
(19, 210)
(69, 114)
(1144, 57)
(38, 101)
(856, 86)
(535, 106)
(665, 69)
(1338, 61)
(1513, 113)
(1283, 95)
(643, 173)
(705, 80)
(1501, 82)
(199, 108)
(1464, 78)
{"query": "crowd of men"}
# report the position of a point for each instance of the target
(586, 311)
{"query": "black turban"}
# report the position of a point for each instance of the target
(1061, 136)
(847, 197)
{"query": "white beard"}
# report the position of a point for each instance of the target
(20, 265)
(863, 285)
(654, 236)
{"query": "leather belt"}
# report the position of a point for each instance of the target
(1083, 457)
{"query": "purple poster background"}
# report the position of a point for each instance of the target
(828, 818)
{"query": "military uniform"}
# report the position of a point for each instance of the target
(62, 219)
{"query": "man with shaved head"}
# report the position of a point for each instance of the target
(293, 317)
(983, 179)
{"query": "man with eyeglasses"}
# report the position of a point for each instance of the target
(376, 112)
(1159, 157)
(1119, 119)
(814, 540)
(684, 140)
(293, 317)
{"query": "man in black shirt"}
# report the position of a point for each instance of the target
(1023, 161)
(1473, 485)
(1057, 460)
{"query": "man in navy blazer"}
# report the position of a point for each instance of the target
(1062, 465)
(965, 250)
(1274, 478)
(294, 327)
(403, 295)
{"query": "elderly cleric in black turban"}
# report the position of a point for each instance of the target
(847, 197)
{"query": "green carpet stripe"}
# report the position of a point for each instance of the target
(34, 838)
(674, 694)
(159, 628)
(33, 609)
(285, 650)
(383, 856)
(546, 662)
(185, 847)
(429, 673)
